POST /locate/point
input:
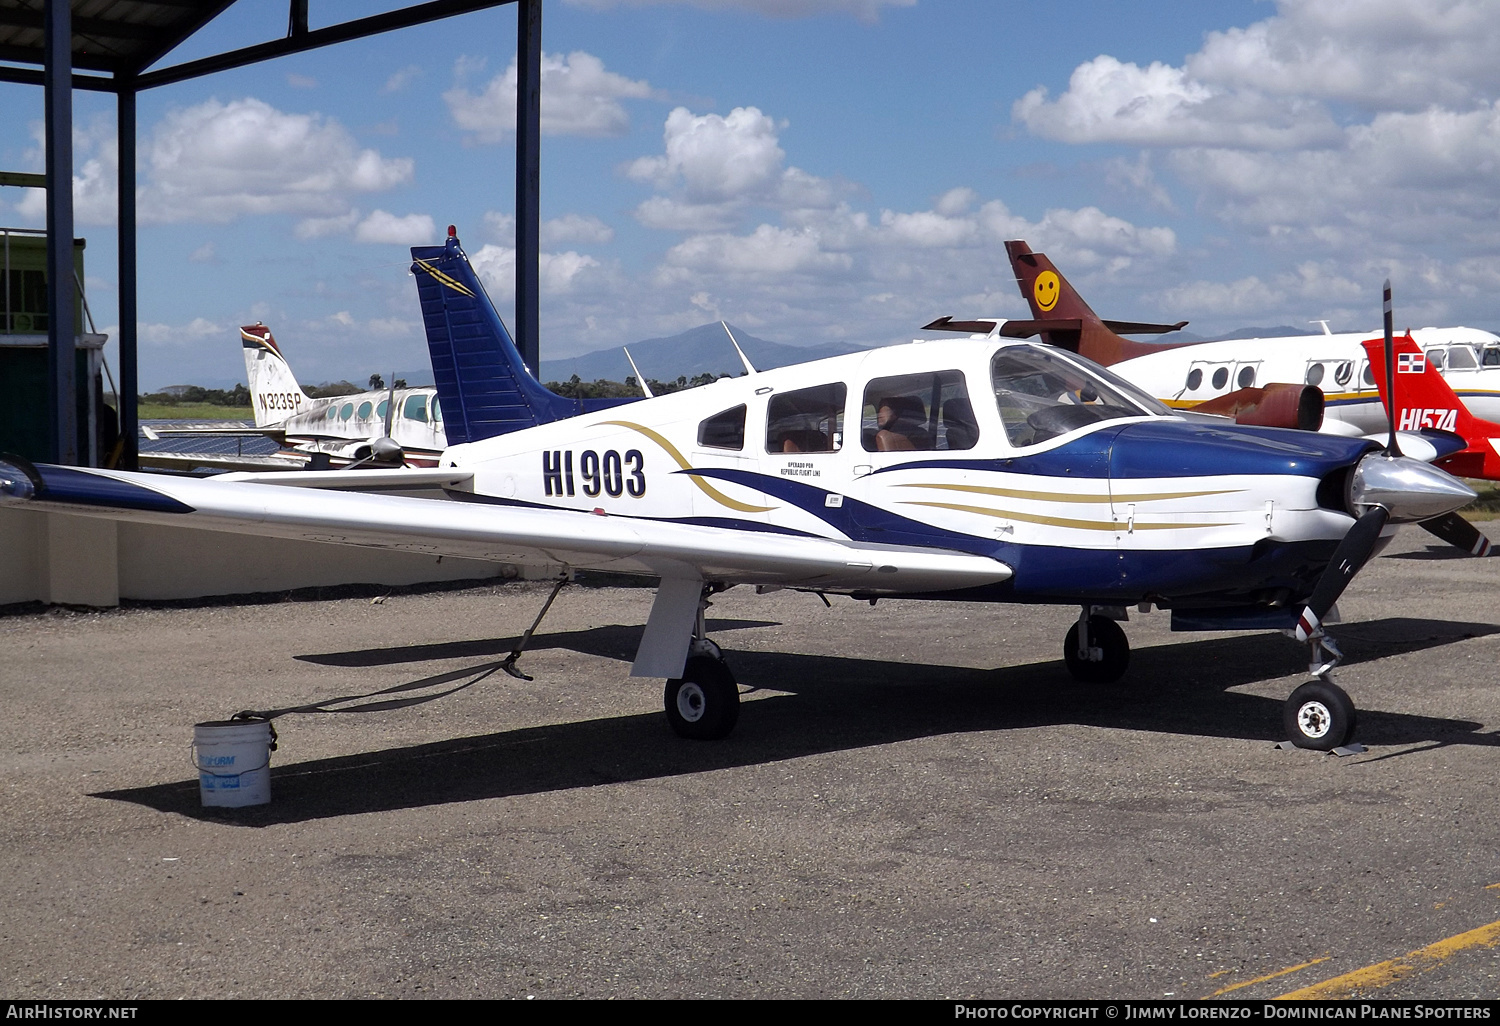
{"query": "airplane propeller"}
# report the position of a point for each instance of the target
(1387, 487)
(385, 449)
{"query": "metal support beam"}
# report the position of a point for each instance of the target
(528, 178)
(129, 383)
(61, 332)
(421, 14)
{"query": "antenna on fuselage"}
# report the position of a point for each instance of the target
(639, 379)
(743, 358)
(1326, 331)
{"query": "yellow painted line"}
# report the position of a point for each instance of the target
(1017, 493)
(1268, 976)
(1077, 525)
(445, 279)
(681, 461)
(1384, 974)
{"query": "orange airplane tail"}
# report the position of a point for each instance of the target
(1063, 319)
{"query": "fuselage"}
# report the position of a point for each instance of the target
(1468, 358)
(340, 425)
(1078, 482)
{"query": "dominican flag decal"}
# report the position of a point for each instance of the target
(1411, 363)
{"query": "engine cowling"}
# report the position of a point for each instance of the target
(1278, 404)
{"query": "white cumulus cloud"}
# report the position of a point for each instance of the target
(579, 97)
(714, 166)
(218, 161)
(411, 230)
(864, 10)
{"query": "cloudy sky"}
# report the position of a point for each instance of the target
(808, 169)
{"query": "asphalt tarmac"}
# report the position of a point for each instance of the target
(918, 802)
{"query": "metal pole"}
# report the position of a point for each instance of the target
(528, 178)
(129, 366)
(61, 365)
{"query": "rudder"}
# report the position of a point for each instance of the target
(274, 392)
(485, 388)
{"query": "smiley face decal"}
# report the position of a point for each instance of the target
(1046, 290)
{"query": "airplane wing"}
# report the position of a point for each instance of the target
(513, 534)
(210, 461)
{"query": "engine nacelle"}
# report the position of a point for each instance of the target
(1276, 405)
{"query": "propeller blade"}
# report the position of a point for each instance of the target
(1458, 532)
(1391, 447)
(390, 405)
(1351, 555)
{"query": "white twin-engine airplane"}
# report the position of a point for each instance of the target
(349, 428)
(387, 427)
(976, 470)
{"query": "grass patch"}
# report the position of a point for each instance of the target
(193, 411)
(1487, 506)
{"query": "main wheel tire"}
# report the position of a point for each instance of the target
(1319, 716)
(704, 703)
(1105, 635)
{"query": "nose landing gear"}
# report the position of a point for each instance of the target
(1096, 650)
(1320, 715)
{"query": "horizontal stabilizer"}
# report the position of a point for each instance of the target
(1142, 327)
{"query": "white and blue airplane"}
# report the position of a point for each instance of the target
(989, 470)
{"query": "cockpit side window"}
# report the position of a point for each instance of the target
(724, 430)
(416, 408)
(1461, 358)
(1041, 394)
(918, 412)
(807, 420)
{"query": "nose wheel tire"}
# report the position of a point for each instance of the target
(1319, 716)
(1108, 656)
(704, 703)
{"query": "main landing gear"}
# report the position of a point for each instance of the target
(1320, 716)
(1096, 650)
(704, 703)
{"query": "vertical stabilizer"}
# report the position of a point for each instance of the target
(1425, 401)
(274, 392)
(484, 386)
(1078, 329)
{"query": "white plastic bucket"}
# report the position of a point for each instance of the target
(233, 758)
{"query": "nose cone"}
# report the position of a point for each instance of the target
(1410, 489)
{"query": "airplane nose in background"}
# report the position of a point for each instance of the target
(1410, 489)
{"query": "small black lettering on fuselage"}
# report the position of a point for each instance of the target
(608, 473)
(279, 400)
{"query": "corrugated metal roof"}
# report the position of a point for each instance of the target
(116, 36)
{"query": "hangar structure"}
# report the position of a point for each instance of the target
(115, 46)
(120, 47)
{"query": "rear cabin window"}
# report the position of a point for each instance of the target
(918, 412)
(724, 430)
(807, 420)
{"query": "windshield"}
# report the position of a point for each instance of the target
(1043, 393)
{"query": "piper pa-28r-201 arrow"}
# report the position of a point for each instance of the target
(980, 470)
